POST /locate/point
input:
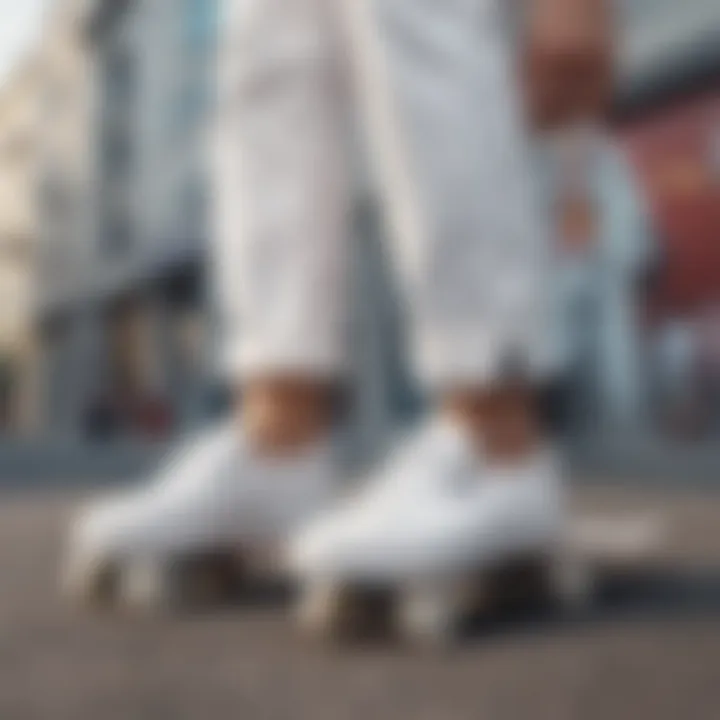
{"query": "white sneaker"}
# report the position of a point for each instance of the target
(214, 496)
(435, 517)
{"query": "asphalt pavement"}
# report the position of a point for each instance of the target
(649, 648)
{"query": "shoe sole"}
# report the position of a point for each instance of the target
(192, 581)
(599, 548)
(422, 614)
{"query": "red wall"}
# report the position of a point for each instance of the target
(676, 151)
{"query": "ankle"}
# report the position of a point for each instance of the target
(502, 422)
(284, 416)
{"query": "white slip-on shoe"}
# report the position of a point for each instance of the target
(432, 523)
(183, 535)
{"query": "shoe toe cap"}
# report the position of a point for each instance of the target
(104, 528)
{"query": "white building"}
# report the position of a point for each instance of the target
(125, 315)
(64, 184)
(18, 248)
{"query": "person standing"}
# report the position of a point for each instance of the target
(434, 87)
(600, 233)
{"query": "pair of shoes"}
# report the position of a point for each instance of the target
(420, 534)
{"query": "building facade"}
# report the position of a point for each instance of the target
(18, 246)
(64, 269)
(126, 321)
(669, 121)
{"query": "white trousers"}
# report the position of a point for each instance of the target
(430, 83)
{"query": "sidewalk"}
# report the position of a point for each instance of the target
(651, 649)
(630, 460)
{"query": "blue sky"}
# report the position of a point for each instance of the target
(20, 22)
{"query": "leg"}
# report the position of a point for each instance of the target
(446, 127)
(280, 259)
(452, 155)
(438, 89)
(282, 214)
(282, 193)
(436, 84)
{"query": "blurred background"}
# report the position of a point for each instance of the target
(108, 338)
(107, 329)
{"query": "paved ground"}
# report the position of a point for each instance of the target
(650, 650)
